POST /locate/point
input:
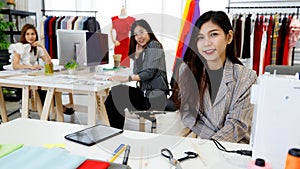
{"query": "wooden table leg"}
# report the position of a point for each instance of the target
(47, 104)
(33, 100)
(71, 102)
(59, 107)
(38, 101)
(142, 124)
(25, 102)
(102, 110)
(3, 107)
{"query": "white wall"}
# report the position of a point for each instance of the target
(206, 5)
(36, 6)
(163, 15)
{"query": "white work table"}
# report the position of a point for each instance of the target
(83, 82)
(145, 147)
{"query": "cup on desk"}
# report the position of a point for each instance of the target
(48, 68)
(117, 60)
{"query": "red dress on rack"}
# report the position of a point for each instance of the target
(122, 27)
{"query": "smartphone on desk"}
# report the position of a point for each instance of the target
(93, 135)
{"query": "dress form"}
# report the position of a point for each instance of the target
(121, 24)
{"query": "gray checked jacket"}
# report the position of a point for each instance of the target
(229, 118)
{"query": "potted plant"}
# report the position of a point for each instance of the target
(4, 25)
(71, 66)
(4, 41)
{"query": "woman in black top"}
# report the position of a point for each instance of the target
(149, 72)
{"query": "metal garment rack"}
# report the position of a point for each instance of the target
(267, 7)
(261, 7)
(44, 10)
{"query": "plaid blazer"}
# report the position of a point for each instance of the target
(229, 118)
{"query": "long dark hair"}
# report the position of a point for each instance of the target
(195, 60)
(133, 42)
(23, 33)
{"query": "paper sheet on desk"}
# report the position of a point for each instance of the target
(10, 73)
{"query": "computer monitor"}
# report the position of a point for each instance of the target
(88, 49)
(71, 44)
(96, 48)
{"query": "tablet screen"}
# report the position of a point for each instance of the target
(93, 135)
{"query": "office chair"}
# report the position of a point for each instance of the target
(169, 104)
(282, 69)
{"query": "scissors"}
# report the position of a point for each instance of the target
(176, 163)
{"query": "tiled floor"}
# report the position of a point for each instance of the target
(168, 123)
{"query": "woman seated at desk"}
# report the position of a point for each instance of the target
(213, 91)
(26, 53)
(149, 72)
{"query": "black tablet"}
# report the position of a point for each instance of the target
(93, 135)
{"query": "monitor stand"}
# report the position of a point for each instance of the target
(92, 69)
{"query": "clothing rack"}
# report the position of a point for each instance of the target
(267, 7)
(44, 10)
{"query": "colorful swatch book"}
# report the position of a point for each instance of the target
(41, 158)
(8, 148)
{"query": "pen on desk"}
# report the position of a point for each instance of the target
(117, 154)
(118, 149)
(127, 151)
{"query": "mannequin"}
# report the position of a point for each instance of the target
(121, 24)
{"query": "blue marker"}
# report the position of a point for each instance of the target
(118, 149)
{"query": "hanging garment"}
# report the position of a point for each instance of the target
(281, 40)
(42, 29)
(263, 46)
(92, 25)
(275, 37)
(258, 30)
(237, 36)
(294, 34)
(268, 53)
(46, 33)
(50, 35)
(286, 59)
(247, 33)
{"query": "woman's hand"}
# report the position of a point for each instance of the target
(138, 50)
(36, 67)
(37, 43)
(118, 78)
(116, 43)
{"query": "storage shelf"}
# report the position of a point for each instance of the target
(17, 12)
(11, 13)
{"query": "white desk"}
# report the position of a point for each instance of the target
(83, 82)
(145, 147)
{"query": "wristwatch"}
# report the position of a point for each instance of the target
(129, 78)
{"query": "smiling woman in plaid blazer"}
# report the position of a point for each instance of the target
(213, 87)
